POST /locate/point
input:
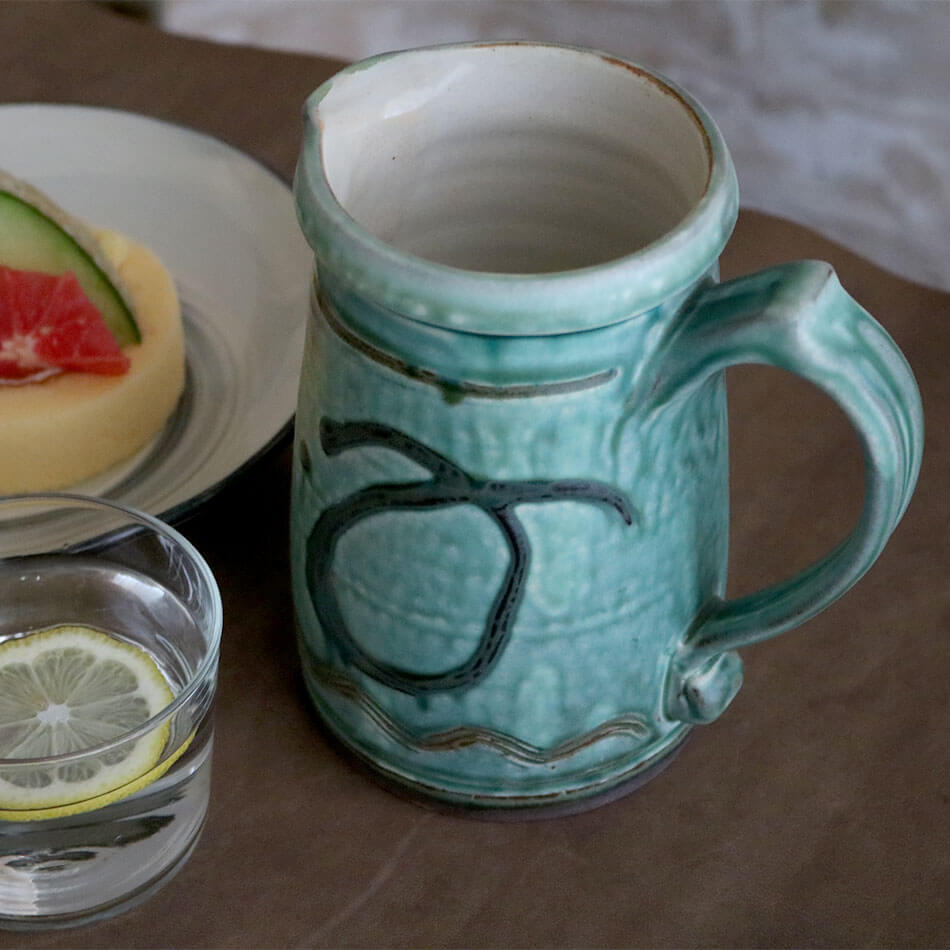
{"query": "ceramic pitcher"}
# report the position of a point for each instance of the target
(510, 490)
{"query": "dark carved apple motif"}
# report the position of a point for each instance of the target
(448, 486)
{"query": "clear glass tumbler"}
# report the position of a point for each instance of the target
(110, 623)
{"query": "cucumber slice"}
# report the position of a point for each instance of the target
(35, 234)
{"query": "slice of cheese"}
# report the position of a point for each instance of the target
(58, 432)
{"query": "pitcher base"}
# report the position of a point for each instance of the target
(502, 807)
(484, 796)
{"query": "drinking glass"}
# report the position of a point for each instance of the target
(71, 560)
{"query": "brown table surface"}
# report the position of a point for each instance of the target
(815, 812)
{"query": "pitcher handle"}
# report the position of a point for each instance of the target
(798, 317)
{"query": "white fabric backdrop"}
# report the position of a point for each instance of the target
(837, 112)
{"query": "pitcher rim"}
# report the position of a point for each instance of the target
(515, 304)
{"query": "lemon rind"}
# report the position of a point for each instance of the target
(98, 801)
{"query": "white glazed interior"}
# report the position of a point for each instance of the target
(512, 158)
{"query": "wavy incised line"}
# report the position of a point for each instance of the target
(462, 737)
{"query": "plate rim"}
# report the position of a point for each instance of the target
(187, 507)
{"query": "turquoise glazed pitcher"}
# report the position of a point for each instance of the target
(510, 488)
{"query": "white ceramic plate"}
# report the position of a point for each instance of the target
(226, 228)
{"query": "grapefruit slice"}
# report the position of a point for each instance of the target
(36, 234)
(48, 325)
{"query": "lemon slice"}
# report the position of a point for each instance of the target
(69, 688)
